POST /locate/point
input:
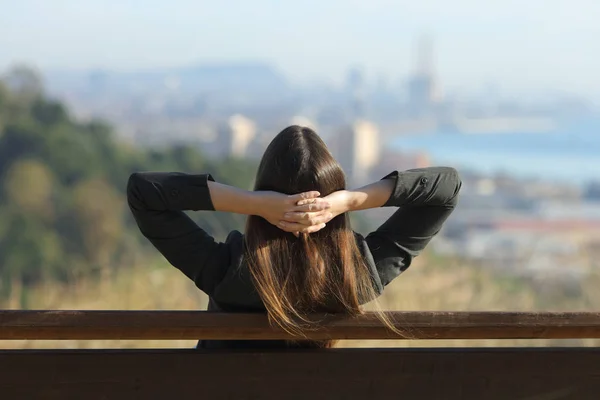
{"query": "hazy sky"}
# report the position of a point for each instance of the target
(518, 44)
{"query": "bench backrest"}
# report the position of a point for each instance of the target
(417, 373)
(166, 325)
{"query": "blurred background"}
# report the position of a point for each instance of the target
(506, 91)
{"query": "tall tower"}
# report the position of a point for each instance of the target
(425, 56)
(355, 90)
(422, 88)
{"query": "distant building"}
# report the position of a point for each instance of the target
(235, 136)
(355, 90)
(423, 90)
(592, 191)
(357, 148)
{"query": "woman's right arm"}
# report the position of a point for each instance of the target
(157, 201)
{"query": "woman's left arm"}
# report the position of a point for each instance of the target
(158, 200)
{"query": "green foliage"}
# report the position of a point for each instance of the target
(62, 183)
(24, 81)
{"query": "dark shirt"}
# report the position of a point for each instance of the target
(425, 198)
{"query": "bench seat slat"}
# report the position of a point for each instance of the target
(490, 374)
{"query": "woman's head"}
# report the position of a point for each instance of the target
(297, 160)
(318, 272)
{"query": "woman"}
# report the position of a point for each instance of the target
(298, 255)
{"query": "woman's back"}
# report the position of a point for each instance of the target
(299, 254)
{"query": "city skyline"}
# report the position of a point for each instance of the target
(508, 44)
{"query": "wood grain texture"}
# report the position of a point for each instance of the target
(170, 325)
(533, 374)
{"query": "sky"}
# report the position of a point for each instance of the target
(516, 45)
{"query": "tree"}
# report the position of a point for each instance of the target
(4, 96)
(98, 209)
(29, 186)
(19, 140)
(29, 251)
(48, 112)
(62, 183)
(24, 81)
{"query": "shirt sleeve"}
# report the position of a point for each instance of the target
(157, 201)
(426, 197)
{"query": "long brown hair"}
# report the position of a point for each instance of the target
(313, 273)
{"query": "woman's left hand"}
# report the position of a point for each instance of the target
(283, 211)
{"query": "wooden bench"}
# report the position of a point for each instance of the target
(408, 373)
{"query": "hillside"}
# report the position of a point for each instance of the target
(62, 182)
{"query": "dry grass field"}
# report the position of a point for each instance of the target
(430, 284)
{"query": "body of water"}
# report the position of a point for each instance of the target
(571, 153)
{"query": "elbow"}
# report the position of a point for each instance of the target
(132, 184)
(452, 185)
(446, 187)
(134, 198)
